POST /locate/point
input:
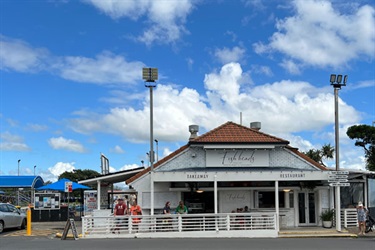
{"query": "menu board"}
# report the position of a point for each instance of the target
(47, 201)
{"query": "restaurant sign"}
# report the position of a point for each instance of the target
(237, 158)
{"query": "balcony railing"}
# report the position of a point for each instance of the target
(186, 225)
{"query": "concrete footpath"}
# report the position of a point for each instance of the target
(56, 228)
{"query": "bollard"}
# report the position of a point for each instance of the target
(28, 216)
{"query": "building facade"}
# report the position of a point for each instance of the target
(232, 168)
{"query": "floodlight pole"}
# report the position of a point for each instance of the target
(150, 75)
(336, 83)
(19, 167)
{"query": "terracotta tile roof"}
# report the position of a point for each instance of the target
(157, 164)
(230, 133)
(306, 158)
(233, 133)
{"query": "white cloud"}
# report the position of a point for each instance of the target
(166, 19)
(128, 167)
(36, 127)
(321, 36)
(227, 55)
(11, 142)
(297, 106)
(117, 150)
(61, 167)
(66, 144)
(106, 68)
(19, 56)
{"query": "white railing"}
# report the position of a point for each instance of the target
(187, 225)
(349, 217)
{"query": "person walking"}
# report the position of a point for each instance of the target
(361, 215)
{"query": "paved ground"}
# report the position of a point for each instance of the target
(51, 229)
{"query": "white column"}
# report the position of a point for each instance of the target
(215, 192)
(286, 199)
(277, 204)
(98, 194)
(338, 210)
(152, 192)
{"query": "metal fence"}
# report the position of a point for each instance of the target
(186, 225)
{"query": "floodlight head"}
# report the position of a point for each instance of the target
(336, 81)
(339, 79)
(345, 79)
(149, 75)
(333, 78)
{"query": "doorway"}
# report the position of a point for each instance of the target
(306, 209)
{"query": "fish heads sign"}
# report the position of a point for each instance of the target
(237, 158)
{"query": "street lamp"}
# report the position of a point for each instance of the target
(34, 169)
(336, 83)
(19, 167)
(157, 150)
(149, 75)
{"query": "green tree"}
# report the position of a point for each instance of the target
(79, 174)
(326, 152)
(365, 138)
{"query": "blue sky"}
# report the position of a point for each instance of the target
(71, 86)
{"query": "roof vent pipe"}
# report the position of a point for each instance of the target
(255, 125)
(193, 129)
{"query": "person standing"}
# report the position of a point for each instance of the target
(135, 210)
(167, 220)
(361, 215)
(119, 212)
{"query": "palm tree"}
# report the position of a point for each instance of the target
(326, 152)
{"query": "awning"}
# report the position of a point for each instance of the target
(120, 176)
(23, 181)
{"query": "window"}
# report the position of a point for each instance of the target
(266, 199)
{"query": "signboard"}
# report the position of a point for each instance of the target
(70, 224)
(338, 180)
(46, 201)
(90, 201)
(339, 172)
(339, 184)
(337, 176)
(237, 158)
(68, 186)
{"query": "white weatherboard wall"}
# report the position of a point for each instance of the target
(233, 199)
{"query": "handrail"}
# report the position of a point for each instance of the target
(179, 224)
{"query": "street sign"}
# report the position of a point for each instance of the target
(68, 186)
(338, 176)
(338, 180)
(339, 184)
(339, 172)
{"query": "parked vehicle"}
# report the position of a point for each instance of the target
(11, 217)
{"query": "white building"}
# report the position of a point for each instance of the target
(233, 166)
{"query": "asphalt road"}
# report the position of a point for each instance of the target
(41, 243)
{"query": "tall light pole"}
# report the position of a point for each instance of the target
(149, 75)
(34, 169)
(157, 150)
(336, 83)
(19, 167)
